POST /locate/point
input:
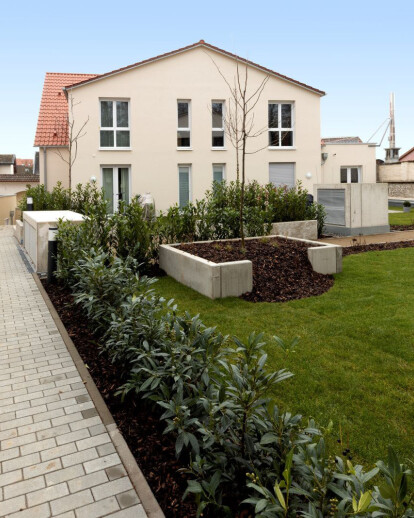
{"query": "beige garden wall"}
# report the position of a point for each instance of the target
(153, 91)
(347, 155)
(7, 203)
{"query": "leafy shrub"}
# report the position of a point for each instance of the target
(81, 199)
(217, 215)
(214, 391)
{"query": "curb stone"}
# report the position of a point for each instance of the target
(135, 474)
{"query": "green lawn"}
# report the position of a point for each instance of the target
(402, 218)
(355, 360)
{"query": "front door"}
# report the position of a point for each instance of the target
(115, 183)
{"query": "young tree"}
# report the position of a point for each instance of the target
(239, 125)
(74, 135)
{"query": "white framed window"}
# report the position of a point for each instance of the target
(116, 186)
(114, 129)
(184, 185)
(350, 174)
(217, 122)
(183, 124)
(219, 172)
(280, 124)
(282, 173)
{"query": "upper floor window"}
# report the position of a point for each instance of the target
(183, 124)
(350, 174)
(217, 112)
(115, 124)
(280, 124)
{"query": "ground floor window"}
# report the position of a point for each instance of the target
(282, 173)
(218, 172)
(350, 174)
(115, 183)
(184, 173)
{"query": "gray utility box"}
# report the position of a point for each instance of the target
(36, 233)
(354, 209)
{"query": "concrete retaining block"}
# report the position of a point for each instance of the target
(214, 280)
(232, 279)
(307, 229)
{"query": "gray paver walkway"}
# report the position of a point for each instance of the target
(56, 456)
(390, 237)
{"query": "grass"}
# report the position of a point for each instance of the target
(355, 360)
(401, 218)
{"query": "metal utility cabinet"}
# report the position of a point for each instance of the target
(354, 209)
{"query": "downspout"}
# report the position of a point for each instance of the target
(44, 168)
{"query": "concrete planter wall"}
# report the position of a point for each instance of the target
(307, 229)
(36, 233)
(232, 279)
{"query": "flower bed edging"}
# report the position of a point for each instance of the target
(232, 279)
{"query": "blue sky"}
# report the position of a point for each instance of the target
(358, 52)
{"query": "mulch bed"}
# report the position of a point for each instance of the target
(281, 268)
(398, 228)
(357, 249)
(139, 424)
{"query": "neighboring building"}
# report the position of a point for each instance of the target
(13, 182)
(7, 164)
(408, 156)
(157, 126)
(348, 160)
(24, 165)
(398, 175)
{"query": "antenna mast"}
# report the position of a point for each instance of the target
(392, 152)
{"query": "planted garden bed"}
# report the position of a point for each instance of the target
(281, 268)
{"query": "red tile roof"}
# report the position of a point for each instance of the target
(28, 162)
(341, 140)
(52, 129)
(200, 43)
(408, 156)
(28, 178)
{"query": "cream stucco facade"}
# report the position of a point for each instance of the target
(361, 156)
(6, 168)
(152, 91)
(52, 168)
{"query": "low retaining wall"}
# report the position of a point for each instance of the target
(307, 229)
(232, 279)
(214, 280)
(18, 231)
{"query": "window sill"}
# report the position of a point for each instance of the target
(282, 148)
(218, 149)
(115, 149)
(184, 148)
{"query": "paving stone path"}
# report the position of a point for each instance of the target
(56, 456)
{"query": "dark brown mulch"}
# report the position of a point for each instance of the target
(139, 424)
(281, 268)
(398, 228)
(357, 249)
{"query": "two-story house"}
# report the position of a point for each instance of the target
(158, 126)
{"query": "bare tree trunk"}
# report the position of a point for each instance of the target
(73, 137)
(243, 181)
